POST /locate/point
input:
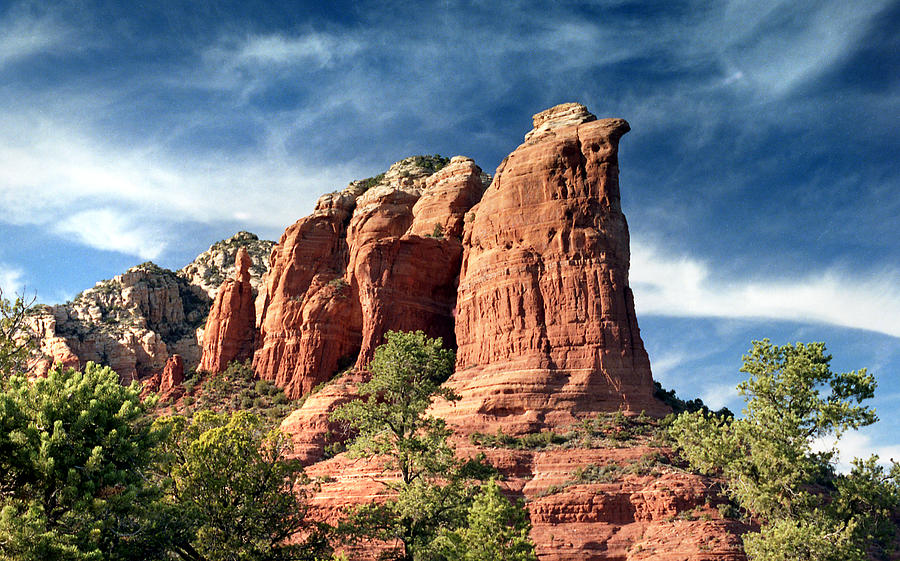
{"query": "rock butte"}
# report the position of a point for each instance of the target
(525, 275)
(544, 322)
(368, 260)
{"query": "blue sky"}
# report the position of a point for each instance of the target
(759, 180)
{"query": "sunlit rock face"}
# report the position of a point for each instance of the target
(230, 328)
(545, 323)
(136, 321)
(383, 254)
(547, 337)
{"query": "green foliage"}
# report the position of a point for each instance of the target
(679, 405)
(605, 430)
(235, 389)
(432, 163)
(16, 339)
(74, 452)
(495, 529)
(814, 537)
(390, 418)
(434, 489)
(229, 477)
(869, 496)
(370, 182)
(771, 470)
(438, 231)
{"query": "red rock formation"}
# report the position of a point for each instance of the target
(547, 335)
(52, 348)
(365, 262)
(308, 322)
(309, 427)
(662, 517)
(168, 382)
(546, 325)
(406, 253)
(230, 327)
(172, 375)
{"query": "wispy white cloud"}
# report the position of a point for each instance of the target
(130, 200)
(858, 444)
(683, 286)
(59, 164)
(24, 34)
(314, 48)
(109, 229)
(11, 280)
(777, 44)
(249, 64)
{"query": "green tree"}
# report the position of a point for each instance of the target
(16, 338)
(74, 453)
(229, 477)
(495, 530)
(433, 489)
(792, 399)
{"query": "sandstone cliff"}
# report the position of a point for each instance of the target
(545, 318)
(527, 276)
(230, 333)
(547, 341)
(382, 254)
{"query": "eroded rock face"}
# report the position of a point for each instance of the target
(381, 255)
(665, 516)
(135, 321)
(130, 322)
(230, 328)
(546, 335)
(307, 320)
(406, 274)
(52, 348)
(309, 426)
(545, 322)
(212, 267)
(168, 383)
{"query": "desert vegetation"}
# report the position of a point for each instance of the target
(91, 471)
(774, 472)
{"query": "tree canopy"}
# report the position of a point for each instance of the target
(794, 399)
(230, 479)
(16, 339)
(74, 454)
(435, 490)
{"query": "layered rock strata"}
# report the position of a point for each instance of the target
(230, 328)
(663, 516)
(377, 256)
(545, 320)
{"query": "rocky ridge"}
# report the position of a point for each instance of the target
(230, 333)
(212, 267)
(527, 276)
(136, 321)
